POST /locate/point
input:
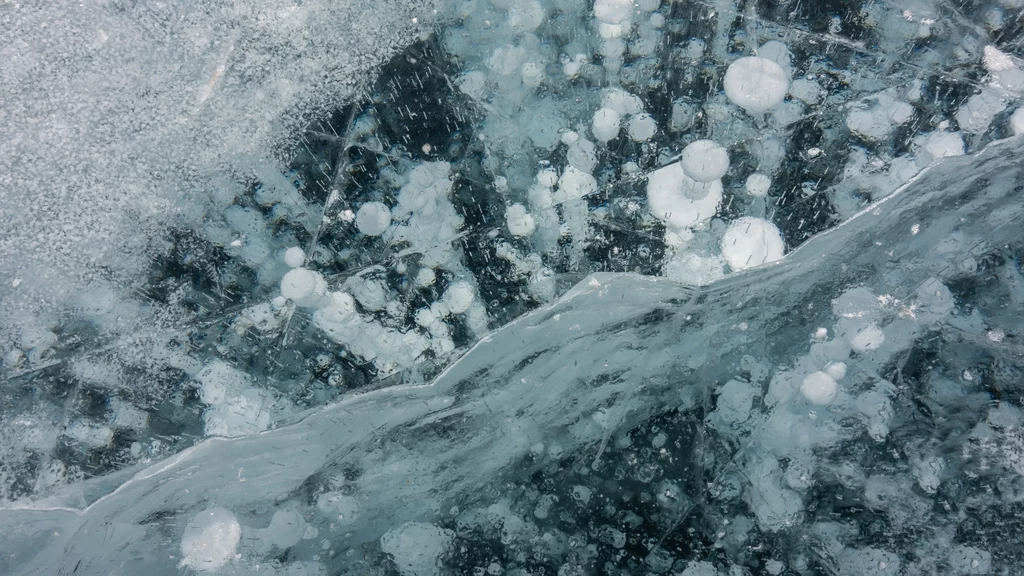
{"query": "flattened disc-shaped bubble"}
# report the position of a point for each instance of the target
(819, 388)
(705, 160)
(373, 218)
(678, 200)
(755, 84)
(210, 540)
(606, 124)
(751, 242)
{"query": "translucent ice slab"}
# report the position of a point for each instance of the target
(560, 391)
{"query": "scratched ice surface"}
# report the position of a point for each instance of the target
(513, 287)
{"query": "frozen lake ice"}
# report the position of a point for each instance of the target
(512, 287)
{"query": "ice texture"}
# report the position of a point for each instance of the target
(565, 384)
(119, 121)
(511, 287)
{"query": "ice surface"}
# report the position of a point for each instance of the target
(511, 287)
(561, 392)
(121, 121)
